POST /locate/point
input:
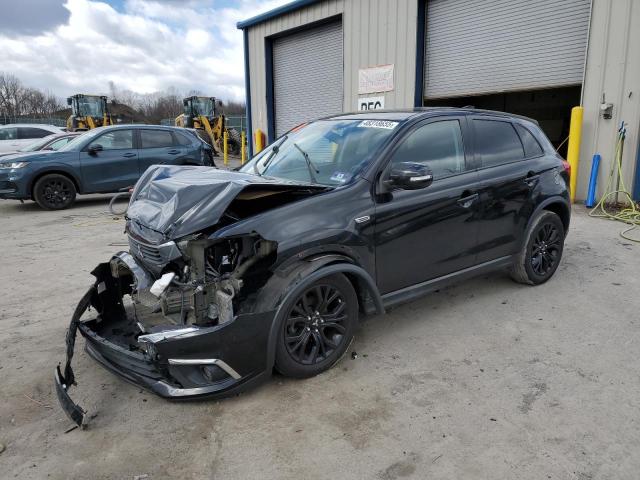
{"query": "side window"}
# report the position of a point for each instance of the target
(437, 145)
(497, 142)
(531, 146)
(31, 132)
(182, 139)
(8, 133)
(114, 140)
(155, 138)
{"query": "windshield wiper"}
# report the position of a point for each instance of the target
(274, 151)
(310, 165)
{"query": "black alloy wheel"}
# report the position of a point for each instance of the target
(540, 255)
(545, 250)
(314, 327)
(54, 192)
(317, 327)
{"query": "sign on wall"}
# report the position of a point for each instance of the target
(371, 103)
(375, 79)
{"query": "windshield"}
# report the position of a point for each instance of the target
(203, 106)
(90, 106)
(327, 152)
(38, 144)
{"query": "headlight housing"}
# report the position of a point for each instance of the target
(12, 165)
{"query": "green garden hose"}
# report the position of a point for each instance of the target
(629, 215)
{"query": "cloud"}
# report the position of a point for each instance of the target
(32, 16)
(140, 45)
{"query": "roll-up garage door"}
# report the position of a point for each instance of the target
(307, 75)
(476, 47)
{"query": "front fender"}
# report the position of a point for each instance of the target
(288, 283)
(63, 168)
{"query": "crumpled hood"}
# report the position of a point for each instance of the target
(179, 200)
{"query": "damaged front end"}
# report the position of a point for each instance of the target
(185, 330)
(178, 313)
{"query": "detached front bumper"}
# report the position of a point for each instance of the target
(176, 362)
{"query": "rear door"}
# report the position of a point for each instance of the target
(424, 234)
(507, 178)
(115, 166)
(158, 147)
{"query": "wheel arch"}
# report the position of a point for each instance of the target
(54, 171)
(558, 205)
(295, 278)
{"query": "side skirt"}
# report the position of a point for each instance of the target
(412, 292)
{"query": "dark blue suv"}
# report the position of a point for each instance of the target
(103, 160)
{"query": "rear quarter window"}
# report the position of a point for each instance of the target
(497, 142)
(531, 146)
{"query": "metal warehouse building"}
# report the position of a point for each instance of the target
(538, 58)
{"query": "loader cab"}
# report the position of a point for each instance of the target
(87, 112)
(200, 106)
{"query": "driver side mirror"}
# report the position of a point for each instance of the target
(94, 149)
(410, 176)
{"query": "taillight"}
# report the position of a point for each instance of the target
(567, 167)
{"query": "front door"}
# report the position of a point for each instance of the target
(113, 167)
(424, 234)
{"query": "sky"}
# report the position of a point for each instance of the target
(79, 46)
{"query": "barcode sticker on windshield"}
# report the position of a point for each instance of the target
(378, 124)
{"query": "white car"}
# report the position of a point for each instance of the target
(18, 135)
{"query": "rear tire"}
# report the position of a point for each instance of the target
(317, 327)
(54, 192)
(542, 251)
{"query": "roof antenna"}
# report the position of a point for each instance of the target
(469, 106)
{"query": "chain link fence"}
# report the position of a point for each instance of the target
(57, 121)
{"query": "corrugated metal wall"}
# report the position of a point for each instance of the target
(480, 46)
(307, 61)
(613, 69)
(376, 32)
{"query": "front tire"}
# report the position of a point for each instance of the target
(54, 192)
(317, 327)
(540, 256)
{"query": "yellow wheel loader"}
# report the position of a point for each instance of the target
(201, 114)
(87, 112)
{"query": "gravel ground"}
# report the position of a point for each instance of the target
(488, 379)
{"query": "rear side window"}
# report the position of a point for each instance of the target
(155, 138)
(8, 133)
(182, 139)
(437, 145)
(531, 146)
(31, 132)
(497, 142)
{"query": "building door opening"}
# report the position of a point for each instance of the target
(550, 107)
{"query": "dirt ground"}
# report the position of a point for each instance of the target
(488, 379)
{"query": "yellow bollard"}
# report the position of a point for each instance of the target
(243, 148)
(225, 147)
(573, 151)
(259, 140)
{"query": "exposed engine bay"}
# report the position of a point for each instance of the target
(204, 286)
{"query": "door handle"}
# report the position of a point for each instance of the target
(531, 178)
(129, 155)
(467, 200)
(173, 152)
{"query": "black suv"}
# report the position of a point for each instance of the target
(230, 274)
